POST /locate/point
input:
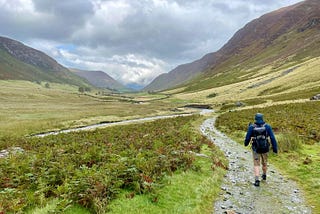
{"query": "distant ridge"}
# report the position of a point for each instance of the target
(100, 79)
(284, 35)
(20, 62)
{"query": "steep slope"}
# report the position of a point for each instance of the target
(20, 62)
(278, 38)
(181, 74)
(99, 79)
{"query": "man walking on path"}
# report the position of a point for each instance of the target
(259, 132)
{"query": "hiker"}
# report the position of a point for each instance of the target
(260, 132)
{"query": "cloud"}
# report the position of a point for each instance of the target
(133, 41)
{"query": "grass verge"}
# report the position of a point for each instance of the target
(185, 192)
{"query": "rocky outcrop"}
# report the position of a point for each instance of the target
(316, 97)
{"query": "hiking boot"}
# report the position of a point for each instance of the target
(264, 177)
(257, 183)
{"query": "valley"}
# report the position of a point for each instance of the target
(79, 141)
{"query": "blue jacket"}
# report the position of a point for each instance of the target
(269, 133)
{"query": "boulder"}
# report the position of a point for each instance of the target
(316, 97)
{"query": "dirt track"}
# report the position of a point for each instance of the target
(239, 195)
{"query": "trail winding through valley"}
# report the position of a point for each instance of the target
(238, 194)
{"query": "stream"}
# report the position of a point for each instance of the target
(238, 194)
(124, 122)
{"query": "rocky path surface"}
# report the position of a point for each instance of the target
(238, 194)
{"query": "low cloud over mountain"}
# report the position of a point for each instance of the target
(134, 41)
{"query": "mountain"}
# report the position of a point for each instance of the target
(276, 39)
(100, 79)
(20, 62)
(180, 74)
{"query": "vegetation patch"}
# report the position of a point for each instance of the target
(27, 107)
(91, 169)
(191, 191)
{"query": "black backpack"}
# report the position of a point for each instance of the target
(260, 139)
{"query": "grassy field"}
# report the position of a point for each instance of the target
(138, 165)
(297, 129)
(27, 107)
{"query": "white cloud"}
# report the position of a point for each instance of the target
(133, 41)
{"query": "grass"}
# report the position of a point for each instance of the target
(91, 169)
(303, 167)
(185, 192)
(297, 130)
(263, 83)
(27, 107)
(288, 50)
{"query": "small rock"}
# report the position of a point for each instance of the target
(223, 188)
(239, 104)
(229, 193)
(229, 212)
(296, 191)
(223, 207)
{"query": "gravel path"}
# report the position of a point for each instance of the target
(239, 195)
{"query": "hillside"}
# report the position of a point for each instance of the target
(288, 35)
(100, 79)
(20, 62)
(180, 74)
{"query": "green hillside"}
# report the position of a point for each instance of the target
(33, 65)
(275, 57)
(288, 51)
(272, 43)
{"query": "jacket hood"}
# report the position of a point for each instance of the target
(259, 118)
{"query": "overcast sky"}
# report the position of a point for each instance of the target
(132, 40)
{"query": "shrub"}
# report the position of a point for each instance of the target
(212, 95)
(91, 168)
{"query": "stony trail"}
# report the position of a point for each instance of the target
(238, 194)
